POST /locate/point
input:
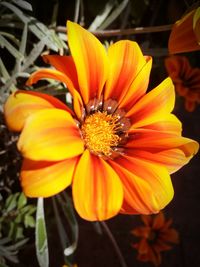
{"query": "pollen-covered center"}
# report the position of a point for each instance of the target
(99, 132)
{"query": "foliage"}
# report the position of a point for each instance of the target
(9, 250)
(15, 216)
(16, 29)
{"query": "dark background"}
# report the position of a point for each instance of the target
(94, 249)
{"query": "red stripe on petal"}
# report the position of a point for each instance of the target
(97, 190)
(50, 134)
(45, 179)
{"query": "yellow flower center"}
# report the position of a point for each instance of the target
(99, 132)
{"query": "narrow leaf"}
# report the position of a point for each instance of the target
(10, 48)
(23, 4)
(21, 201)
(115, 13)
(11, 202)
(102, 16)
(29, 221)
(68, 211)
(34, 54)
(22, 47)
(3, 71)
(16, 11)
(77, 10)
(36, 27)
(41, 235)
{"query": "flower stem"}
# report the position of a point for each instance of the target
(137, 30)
(115, 245)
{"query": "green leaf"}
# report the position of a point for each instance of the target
(18, 219)
(102, 16)
(41, 235)
(11, 229)
(22, 200)
(15, 231)
(36, 27)
(5, 44)
(16, 11)
(77, 10)
(9, 251)
(29, 221)
(3, 71)
(68, 212)
(22, 47)
(34, 54)
(11, 202)
(19, 233)
(31, 209)
(114, 14)
(23, 4)
(10, 37)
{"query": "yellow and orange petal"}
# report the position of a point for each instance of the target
(64, 64)
(69, 81)
(138, 86)
(147, 186)
(97, 189)
(156, 141)
(163, 148)
(90, 59)
(125, 61)
(154, 106)
(45, 179)
(51, 135)
(170, 124)
(21, 104)
(185, 34)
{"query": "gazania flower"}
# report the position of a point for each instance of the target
(155, 236)
(118, 144)
(185, 34)
(186, 80)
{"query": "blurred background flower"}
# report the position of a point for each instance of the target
(185, 34)
(156, 236)
(186, 80)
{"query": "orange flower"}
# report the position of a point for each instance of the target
(118, 145)
(185, 34)
(186, 80)
(156, 236)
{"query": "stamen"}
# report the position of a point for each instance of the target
(104, 127)
(94, 105)
(110, 106)
(99, 132)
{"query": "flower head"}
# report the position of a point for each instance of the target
(155, 236)
(186, 80)
(116, 147)
(185, 34)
